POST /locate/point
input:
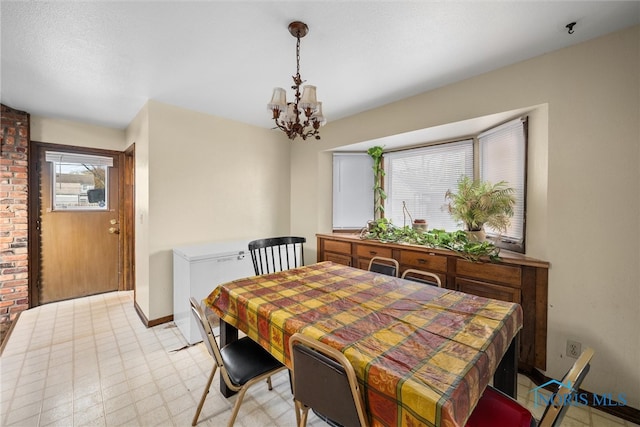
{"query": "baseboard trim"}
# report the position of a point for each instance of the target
(625, 412)
(161, 320)
(151, 323)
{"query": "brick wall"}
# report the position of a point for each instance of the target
(14, 134)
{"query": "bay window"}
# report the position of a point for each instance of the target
(417, 179)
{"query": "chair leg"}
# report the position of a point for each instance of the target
(204, 395)
(236, 407)
(269, 383)
(301, 413)
(297, 409)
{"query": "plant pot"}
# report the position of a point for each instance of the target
(420, 225)
(477, 236)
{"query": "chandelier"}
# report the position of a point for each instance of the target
(288, 116)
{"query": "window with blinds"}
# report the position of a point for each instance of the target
(419, 178)
(503, 157)
(352, 190)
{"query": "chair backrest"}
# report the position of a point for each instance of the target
(557, 407)
(422, 277)
(324, 380)
(388, 266)
(277, 254)
(205, 331)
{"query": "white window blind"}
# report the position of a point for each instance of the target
(420, 178)
(352, 190)
(58, 157)
(503, 158)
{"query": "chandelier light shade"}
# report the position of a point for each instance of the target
(302, 117)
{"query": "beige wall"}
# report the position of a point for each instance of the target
(56, 131)
(200, 178)
(584, 188)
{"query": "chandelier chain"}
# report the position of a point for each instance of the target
(298, 56)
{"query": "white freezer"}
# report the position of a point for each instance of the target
(197, 270)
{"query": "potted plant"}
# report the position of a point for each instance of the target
(420, 225)
(480, 202)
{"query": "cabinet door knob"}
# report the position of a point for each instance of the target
(372, 252)
(421, 261)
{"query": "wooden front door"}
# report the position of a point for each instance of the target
(78, 228)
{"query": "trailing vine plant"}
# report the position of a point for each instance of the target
(379, 195)
(383, 230)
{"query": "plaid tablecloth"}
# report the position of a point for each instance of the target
(422, 354)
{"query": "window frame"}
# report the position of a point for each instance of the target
(57, 158)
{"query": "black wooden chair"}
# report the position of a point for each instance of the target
(276, 254)
(324, 380)
(388, 266)
(242, 363)
(496, 409)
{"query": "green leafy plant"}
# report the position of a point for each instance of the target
(480, 202)
(383, 230)
(379, 195)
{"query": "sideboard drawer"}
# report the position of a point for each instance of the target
(337, 258)
(369, 251)
(337, 246)
(495, 273)
(488, 290)
(423, 260)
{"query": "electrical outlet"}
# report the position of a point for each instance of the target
(574, 349)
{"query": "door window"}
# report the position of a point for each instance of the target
(80, 181)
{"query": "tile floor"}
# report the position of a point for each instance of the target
(90, 361)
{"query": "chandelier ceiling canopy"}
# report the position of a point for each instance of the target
(302, 117)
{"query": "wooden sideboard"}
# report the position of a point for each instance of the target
(516, 278)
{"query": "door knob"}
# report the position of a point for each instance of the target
(114, 230)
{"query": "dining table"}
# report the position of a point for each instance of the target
(423, 355)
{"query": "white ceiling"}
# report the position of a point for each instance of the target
(100, 61)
